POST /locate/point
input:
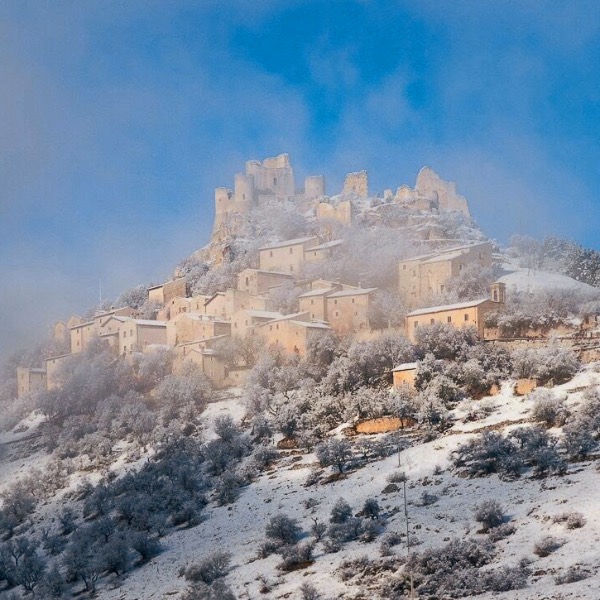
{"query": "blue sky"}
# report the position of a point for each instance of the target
(117, 120)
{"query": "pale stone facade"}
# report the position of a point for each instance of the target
(291, 333)
(223, 305)
(186, 327)
(286, 257)
(244, 322)
(404, 376)
(356, 184)
(163, 294)
(423, 277)
(53, 364)
(136, 335)
(341, 212)
(323, 251)
(260, 281)
(30, 380)
(462, 314)
(348, 310)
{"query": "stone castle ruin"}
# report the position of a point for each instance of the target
(273, 179)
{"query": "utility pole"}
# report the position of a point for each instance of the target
(408, 549)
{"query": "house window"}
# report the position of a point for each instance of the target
(274, 180)
(466, 317)
(335, 301)
(337, 314)
(431, 321)
(352, 300)
(312, 301)
(291, 268)
(449, 319)
(247, 280)
(416, 324)
(271, 253)
(276, 326)
(404, 267)
(461, 267)
(291, 251)
(495, 295)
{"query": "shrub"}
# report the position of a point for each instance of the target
(502, 531)
(309, 592)
(283, 530)
(340, 512)
(227, 488)
(209, 569)
(571, 520)
(571, 575)
(548, 409)
(219, 590)
(371, 508)
(351, 529)
(490, 514)
(547, 546)
(334, 452)
(296, 556)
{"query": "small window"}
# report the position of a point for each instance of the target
(291, 251)
(271, 253)
(312, 301)
(404, 267)
(431, 321)
(335, 301)
(416, 324)
(466, 316)
(352, 300)
(449, 319)
(461, 267)
(337, 314)
(247, 280)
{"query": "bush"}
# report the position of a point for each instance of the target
(219, 590)
(209, 569)
(490, 514)
(502, 531)
(547, 546)
(296, 556)
(547, 408)
(371, 509)
(571, 520)
(340, 512)
(334, 452)
(283, 530)
(571, 575)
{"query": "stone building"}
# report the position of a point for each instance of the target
(244, 322)
(348, 310)
(223, 305)
(290, 332)
(423, 277)
(323, 251)
(186, 327)
(260, 281)
(273, 178)
(286, 257)
(404, 376)
(53, 365)
(345, 307)
(30, 380)
(341, 211)
(164, 293)
(136, 335)
(461, 314)
(356, 184)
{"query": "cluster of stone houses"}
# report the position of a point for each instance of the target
(194, 326)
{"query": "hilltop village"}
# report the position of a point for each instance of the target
(197, 327)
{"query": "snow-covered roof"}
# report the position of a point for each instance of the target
(293, 242)
(263, 314)
(149, 323)
(405, 367)
(317, 292)
(354, 292)
(288, 317)
(532, 280)
(326, 245)
(267, 272)
(445, 307)
(205, 318)
(311, 324)
(445, 256)
(37, 370)
(444, 253)
(203, 340)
